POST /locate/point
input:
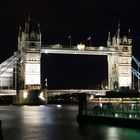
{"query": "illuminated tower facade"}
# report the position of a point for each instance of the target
(125, 62)
(120, 64)
(29, 44)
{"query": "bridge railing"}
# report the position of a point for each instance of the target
(7, 92)
(87, 48)
(71, 91)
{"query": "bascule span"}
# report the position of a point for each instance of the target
(77, 91)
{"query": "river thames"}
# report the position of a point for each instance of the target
(56, 122)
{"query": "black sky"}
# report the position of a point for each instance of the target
(61, 18)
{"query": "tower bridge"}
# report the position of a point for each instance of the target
(22, 72)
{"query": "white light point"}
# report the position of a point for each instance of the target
(59, 106)
(25, 94)
(81, 47)
(41, 96)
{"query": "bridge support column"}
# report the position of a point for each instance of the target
(20, 97)
(31, 97)
(112, 71)
(45, 95)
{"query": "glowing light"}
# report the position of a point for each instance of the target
(132, 106)
(81, 47)
(41, 96)
(106, 87)
(59, 106)
(25, 94)
(101, 105)
(32, 80)
(41, 105)
(101, 48)
(112, 133)
(46, 83)
(120, 99)
(32, 74)
(91, 97)
(116, 115)
(130, 116)
(25, 106)
(45, 51)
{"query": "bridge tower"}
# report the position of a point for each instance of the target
(29, 43)
(125, 62)
(120, 64)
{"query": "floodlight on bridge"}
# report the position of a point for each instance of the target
(41, 96)
(25, 94)
(81, 47)
(101, 48)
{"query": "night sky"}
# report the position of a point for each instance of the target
(78, 18)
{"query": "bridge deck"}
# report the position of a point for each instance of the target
(87, 51)
(70, 91)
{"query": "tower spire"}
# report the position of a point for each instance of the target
(28, 23)
(39, 28)
(129, 37)
(109, 40)
(118, 33)
(129, 33)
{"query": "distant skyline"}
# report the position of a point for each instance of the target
(76, 18)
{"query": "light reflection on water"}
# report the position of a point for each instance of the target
(112, 133)
(56, 122)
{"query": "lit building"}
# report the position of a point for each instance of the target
(29, 43)
(120, 64)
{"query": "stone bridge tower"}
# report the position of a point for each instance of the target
(29, 44)
(120, 64)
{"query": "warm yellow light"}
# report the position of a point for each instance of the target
(25, 94)
(101, 47)
(91, 97)
(81, 47)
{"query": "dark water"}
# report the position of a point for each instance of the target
(53, 122)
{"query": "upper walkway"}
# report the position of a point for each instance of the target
(58, 49)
